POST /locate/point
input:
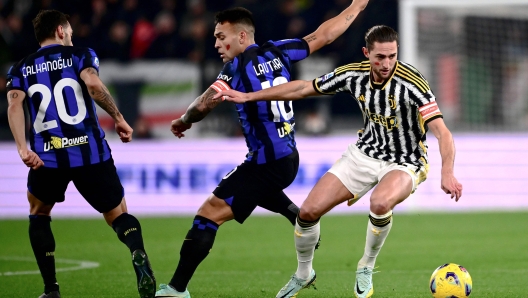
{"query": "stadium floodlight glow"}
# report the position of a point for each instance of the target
(408, 24)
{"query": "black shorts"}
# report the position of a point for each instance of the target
(98, 183)
(250, 183)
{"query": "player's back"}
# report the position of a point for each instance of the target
(268, 126)
(64, 129)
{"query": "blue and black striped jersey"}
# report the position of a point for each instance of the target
(268, 126)
(65, 131)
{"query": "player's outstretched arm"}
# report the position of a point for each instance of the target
(334, 27)
(201, 106)
(198, 109)
(450, 184)
(289, 91)
(15, 113)
(102, 97)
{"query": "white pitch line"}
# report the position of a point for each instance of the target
(81, 264)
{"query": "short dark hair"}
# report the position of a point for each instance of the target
(237, 15)
(46, 22)
(380, 33)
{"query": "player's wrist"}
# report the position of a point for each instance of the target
(182, 118)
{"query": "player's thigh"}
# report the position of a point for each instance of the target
(46, 186)
(100, 186)
(394, 187)
(248, 184)
(357, 172)
(238, 190)
(327, 193)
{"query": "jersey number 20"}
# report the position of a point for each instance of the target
(277, 107)
(39, 125)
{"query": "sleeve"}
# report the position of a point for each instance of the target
(430, 111)
(88, 58)
(296, 49)
(421, 94)
(14, 79)
(227, 78)
(339, 80)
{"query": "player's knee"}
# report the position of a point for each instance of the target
(309, 213)
(216, 209)
(380, 207)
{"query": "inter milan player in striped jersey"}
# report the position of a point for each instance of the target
(59, 84)
(272, 161)
(391, 152)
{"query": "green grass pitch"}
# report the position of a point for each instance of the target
(257, 258)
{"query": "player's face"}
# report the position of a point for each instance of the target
(382, 57)
(228, 41)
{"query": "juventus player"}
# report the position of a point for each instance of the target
(391, 152)
(272, 161)
(61, 83)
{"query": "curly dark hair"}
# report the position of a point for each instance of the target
(46, 22)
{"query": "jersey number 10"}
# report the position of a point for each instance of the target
(277, 107)
(39, 125)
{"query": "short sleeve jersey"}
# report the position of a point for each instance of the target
(64, 129)
(395, 112)
(268, 126)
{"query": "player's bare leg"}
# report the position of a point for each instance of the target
(128, 230)
(197, 245)
(326, 194)
(43, 243)
(393, 189)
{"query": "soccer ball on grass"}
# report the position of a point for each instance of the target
(450, 281)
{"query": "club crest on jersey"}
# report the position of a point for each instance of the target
(59, 143)
(224, 77)
(285, 130)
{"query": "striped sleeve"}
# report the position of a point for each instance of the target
(430, 111)
(340, 79)
(419, 91)
(88, 58)
(295, 49)
(14, 79)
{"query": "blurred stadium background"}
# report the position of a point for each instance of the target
(157, 56)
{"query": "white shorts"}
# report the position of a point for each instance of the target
(359, 173)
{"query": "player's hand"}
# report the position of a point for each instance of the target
(361, 3)
(124, 131)
(178, 127)
(30, 159)
(450, 185)
(233, 96)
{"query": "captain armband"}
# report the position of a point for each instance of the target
(430, 111)
(220, 86)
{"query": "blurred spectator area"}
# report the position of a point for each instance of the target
(158, 55)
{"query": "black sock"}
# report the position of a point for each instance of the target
(43, 245)
(195, 248)
(281, 204)
(128, 231)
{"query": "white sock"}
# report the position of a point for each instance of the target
(376, 236)
(305, 240)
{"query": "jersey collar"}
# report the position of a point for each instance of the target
(48, 46)
(251, 46)
(382, 85)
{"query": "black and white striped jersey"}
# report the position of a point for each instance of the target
(395, 112)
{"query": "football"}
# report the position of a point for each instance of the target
(450, 281)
